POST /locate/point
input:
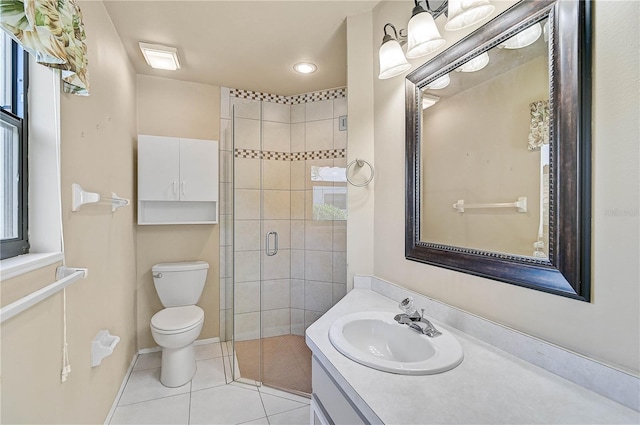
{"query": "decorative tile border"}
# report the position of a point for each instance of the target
(294, 156)
(290, 100)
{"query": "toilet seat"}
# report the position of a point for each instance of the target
(173, 320)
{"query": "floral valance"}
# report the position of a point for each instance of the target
(52, 31)
(539, 129)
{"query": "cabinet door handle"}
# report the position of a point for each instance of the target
(271, 252)
(184, 187)
(175, 187)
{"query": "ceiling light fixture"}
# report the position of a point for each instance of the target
(160, 57)
(423, 36)
(305, 67)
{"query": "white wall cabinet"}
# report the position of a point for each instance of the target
(177, 180)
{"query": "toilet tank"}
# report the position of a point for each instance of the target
(179, 284)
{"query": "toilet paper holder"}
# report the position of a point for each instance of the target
(102, 346)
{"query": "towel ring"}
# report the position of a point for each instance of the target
(360, 163)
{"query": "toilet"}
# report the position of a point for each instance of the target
(176, 327)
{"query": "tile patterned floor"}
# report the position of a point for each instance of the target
(210, 398)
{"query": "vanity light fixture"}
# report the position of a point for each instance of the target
(439, 83)
(392, 60)
(523, 38)
(423, 36)
(160, 57)
(305, 67)
(475, 64)
(429, 100)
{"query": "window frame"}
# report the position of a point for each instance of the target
(18, 116)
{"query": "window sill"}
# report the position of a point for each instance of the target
(16, 266)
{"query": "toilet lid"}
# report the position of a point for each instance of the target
(176, 318)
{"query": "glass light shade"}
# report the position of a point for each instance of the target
(423, 36)
(475, 64)
(523, 38)
(392, 60)
(465, 13)
(439, 83)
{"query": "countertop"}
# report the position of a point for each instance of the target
(490, 386)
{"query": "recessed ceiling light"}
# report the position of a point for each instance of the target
(305, 67)
(160, 57)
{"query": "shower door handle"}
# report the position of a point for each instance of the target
(271, 252)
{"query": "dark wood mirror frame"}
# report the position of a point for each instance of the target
(567, 270)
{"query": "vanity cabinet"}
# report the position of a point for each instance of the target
(329, 404)
(177, 180)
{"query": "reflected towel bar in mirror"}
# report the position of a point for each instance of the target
(520, 204)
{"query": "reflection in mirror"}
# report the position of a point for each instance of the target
(329, 201)
(474, 172)
(498, 151)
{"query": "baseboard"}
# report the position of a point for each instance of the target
(124, 383)
(197, 342)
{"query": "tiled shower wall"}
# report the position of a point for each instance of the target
(280, 139)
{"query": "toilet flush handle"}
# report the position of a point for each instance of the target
(157, 275)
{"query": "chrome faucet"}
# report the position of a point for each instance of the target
(415, 320)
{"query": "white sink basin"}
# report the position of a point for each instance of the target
(374, 339)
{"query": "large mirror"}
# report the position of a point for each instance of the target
(498, 151)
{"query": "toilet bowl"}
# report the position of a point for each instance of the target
(176, 327)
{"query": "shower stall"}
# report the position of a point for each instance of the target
(283, 228)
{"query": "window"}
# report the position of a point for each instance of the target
(13, 152)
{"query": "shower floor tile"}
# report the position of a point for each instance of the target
(208, 399)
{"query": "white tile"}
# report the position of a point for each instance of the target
(318, 266)
(297, 293)
(276, 137)
(227, 404)
(340, 267)
(209, 373)
(225, 103)
(274, 405)
(226, 166)
(340, 236)
(148, 361)
(227, 348)
(283, 228)
(284, 394)
(320, 110)
(319, 135)
(339, 107)
(277, 204)
(297, 137)
(168, 410)
(245, 108)
(247, 173)
(339, 291)
(297, 234)
(248, 235)
(247, 204)
(298, 113)
(247, 326)
(247, 297)
(297, 204)
(310, 317)
(339, 136)
(276, 174)
(318, 296)
(297, 264)
(247, 266)
(298, 175)
(145, 385)
(276, 294)
(276, 266)
(208, 351)
(246, 134)
(276, 322)
(261, 421)
(277, 112)
(226, 135)
(247, 386)
(318, 235)
(297, 322)
(293, 417)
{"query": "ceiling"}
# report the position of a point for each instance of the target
(249, 45)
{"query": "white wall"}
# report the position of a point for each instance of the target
(608, 328)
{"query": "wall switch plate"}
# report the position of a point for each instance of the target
(342, 123)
